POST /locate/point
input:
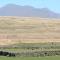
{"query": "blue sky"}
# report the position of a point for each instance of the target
(53, 5)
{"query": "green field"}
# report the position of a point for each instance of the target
(31, 47)
(31, 58)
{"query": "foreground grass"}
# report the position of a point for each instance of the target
(31, 58)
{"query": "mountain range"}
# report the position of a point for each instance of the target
(27, 11)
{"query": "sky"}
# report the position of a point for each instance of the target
(53, 5)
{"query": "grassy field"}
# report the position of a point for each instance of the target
(24, 47)
(31, 58)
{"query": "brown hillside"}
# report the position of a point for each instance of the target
(28, 30)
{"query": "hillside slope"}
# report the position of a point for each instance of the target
(28, 30)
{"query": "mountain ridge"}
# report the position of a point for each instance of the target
(27, 11)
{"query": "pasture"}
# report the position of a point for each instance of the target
(31, 58)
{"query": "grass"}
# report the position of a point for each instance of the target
(21, 47)
(31, 58)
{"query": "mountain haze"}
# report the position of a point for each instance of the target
(27, 11)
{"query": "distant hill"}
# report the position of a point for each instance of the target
(27, 11)
(16, 30)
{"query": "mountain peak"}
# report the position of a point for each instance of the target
(11, 5)
(28, 6)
